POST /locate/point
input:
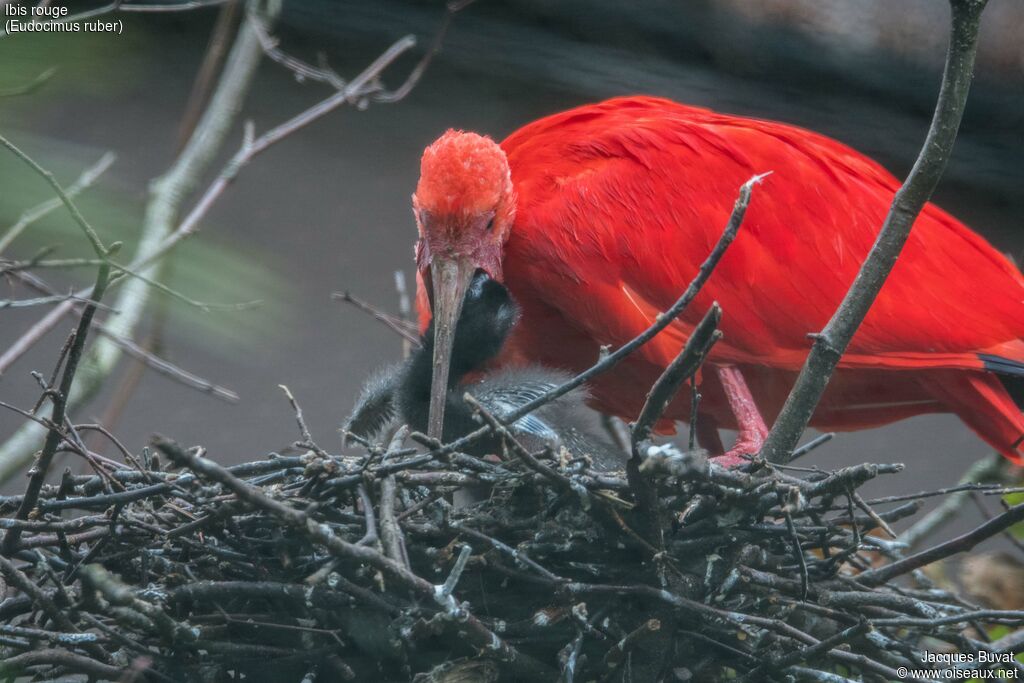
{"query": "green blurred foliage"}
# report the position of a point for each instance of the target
(90, 64)
(204, 268)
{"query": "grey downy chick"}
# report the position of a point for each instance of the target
(402, 392)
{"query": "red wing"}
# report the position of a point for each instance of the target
(622, 201)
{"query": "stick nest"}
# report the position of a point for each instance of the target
(325, 567)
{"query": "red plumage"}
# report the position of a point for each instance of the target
(618, 203)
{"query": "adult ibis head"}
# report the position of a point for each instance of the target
(464, 207)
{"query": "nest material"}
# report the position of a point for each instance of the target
(323, 567)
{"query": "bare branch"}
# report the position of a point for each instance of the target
(831, 342)
(963, 543)
(683, 368)
(32, 215)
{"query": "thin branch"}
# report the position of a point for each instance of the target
(831, 342)
(963, 543)
(683, 368)
(60, 404)
(62, 194)
(401, 327)
(978, 472)
(160, 365)
(84, 181)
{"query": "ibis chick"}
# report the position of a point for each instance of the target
(402, 392)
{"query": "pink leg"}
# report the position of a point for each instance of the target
(752, 430)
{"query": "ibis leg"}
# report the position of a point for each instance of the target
(752, 429)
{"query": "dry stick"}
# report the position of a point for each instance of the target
(831, 342)
(617, 653)
(707, 613)
(121, 595)
(663, 320)
(40, 600)
(477, 633)
(65, 660)
(60, 403)
(170, 370)
(809, 653)
(684, 367)
(994, 616)
(399, 326)
(983, 469)
(160, 365)
(867, 509)
(391, 537)
(452, 7)
(44, 602)
(876, 577)
(495, 424)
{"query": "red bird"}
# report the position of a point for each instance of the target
(597, 218)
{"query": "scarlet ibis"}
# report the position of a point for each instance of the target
(597, 218)
(487, 317)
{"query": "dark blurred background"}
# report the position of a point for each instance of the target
(328, 209)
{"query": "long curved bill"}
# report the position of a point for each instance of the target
(450, 279)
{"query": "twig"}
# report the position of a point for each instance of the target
(617, 653)
(392, 540)
(60, 403)
(830, 344)
(978, 472)
(682, 368)
(811, 445)
(859, 502)
(65, 199)
(64, 659)
(148, 359)
(399, 326)
(84, 181)
(963, 543)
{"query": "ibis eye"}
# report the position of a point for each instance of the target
(490, 224)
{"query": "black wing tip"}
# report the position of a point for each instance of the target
(1002, 366)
